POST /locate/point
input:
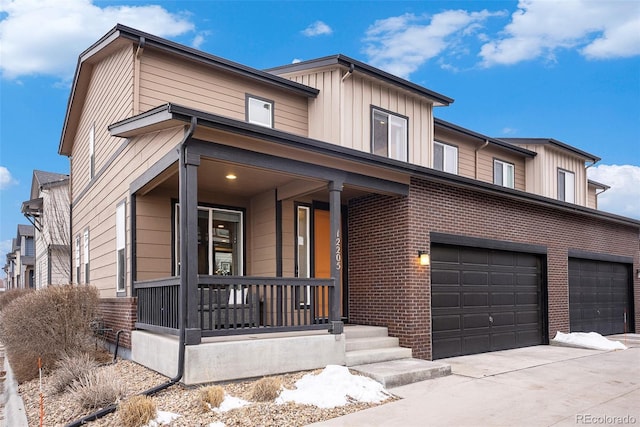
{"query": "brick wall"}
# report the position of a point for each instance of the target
(388, 287)
(119, 314)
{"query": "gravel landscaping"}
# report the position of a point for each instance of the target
(61, 409)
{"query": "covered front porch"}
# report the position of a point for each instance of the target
(232, 241)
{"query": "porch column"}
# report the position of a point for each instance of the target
(335, 191)
(188, 177)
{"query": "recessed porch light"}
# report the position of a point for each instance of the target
(231, 177)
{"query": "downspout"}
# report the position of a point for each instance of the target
(586, 184)
(486, 142)
(183, 324)
(348, 74)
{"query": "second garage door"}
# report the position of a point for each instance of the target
(484, 300)
(599, 297)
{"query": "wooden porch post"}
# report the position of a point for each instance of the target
(188, 178)
(335, 191)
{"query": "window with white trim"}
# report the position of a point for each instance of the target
(259, 111)
(303, 268)
(389, 134)
(503, 173)
(120, 247)
(445, 157)
(566, 186)
(85, 255)
(92, 156)
(77, 259)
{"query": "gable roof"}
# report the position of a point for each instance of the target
(555, 143)
(500, 143)
(120, 36)
(25, 230)
(44, 179)
(355, 65)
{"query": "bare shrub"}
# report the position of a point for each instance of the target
(7, 297)
(48, 323)
(266, 389)
(211, 397)
(137, 411)
(70, 369)
(97, 389)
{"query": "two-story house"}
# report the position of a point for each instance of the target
(230, 217)
(20, 266)
(48, 211)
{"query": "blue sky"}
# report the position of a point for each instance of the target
(568, 70)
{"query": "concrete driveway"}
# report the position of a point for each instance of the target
(533, 386)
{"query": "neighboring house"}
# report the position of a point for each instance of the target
(48, 211)
(20, 267)
(322, 192)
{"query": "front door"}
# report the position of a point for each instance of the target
(322, 257)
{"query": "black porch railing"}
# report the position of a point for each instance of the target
(230, 305)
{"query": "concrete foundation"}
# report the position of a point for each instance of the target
(245, 356)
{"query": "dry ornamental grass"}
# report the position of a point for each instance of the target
(266, 389)
(63, 408)
(137, 411)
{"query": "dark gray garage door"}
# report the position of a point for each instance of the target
(484, 300)
(598, 296)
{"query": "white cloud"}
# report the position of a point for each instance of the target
(45, 37)
(296, 60)
(539, 28)
(401, 44)
(6, 179)
(623, 198)
(318, 28)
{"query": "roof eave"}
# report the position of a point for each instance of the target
(345, 61)
(479, 136)
(182, 114)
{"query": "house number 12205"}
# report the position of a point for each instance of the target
(338, 250)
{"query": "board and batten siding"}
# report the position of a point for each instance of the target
(542, 172)
(592, 198)
(96, 207)
(341, 113)
(163, 79)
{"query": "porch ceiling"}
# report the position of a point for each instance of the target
(250, 181)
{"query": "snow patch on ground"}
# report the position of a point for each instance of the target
(230, 403)
(217, 424)
(592, 340)
(334, 386)
(162, 418)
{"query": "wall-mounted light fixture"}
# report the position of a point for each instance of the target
(424, 258)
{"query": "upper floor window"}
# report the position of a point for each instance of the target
(92, 156)
(566, 186)
(503, 173)
(259, 111)
(389, 135)
(445, 157)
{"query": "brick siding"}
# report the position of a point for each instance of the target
(119, 314)
(388, 287)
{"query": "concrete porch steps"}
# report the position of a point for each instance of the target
(395, 373)
(371, 344)
(373, 353)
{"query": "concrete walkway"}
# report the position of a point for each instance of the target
(533, 386)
